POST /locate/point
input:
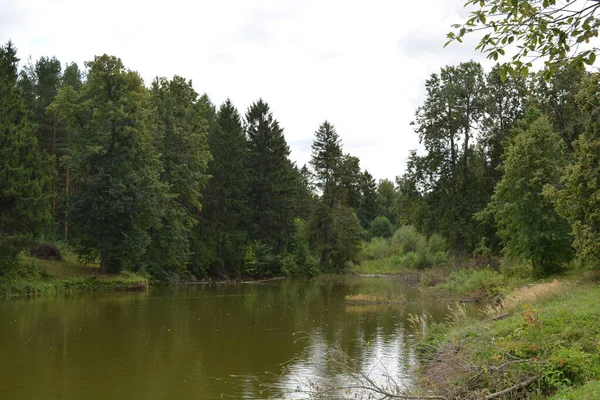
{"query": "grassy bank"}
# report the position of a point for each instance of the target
(540, 341)
(40, 277)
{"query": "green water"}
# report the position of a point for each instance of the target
(202, 342)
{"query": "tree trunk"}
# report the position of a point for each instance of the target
(104, 263)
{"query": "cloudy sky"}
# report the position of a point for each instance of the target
(361, 65)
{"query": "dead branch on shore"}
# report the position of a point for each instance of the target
(513, 388)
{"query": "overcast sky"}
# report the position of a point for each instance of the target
(362, 65)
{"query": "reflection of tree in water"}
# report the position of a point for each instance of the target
(203, 341)
(383, 364)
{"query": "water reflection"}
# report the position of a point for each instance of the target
(201, 342)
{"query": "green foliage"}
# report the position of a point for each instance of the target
(272, 179)
(479, 283)
(451, 175)
(115, 169)
(578, 196)
(408, 239)
(548, 29)
(381, 227)
(528, 224)
(260, 260)
(223, 228)
(367, 208)
(556, 337)
(179, 136)
(406, 249)
(25, 172)
(386, 198)
(300, 261)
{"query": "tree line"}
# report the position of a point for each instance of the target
(510, 164)
(156, 178)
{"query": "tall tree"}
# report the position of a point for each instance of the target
(386, 200)
(180, 139)
(272, 186)
(224, 219)
(452, 113)
(351, 177)
(556, 98)
(334, 225)
(115, 168)
(327, 161)
(367, 209)
(504, 106)
(25, 172)
(578, 197)
(527, 221)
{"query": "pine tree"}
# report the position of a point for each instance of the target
(25, 172)
(115, 169)
(224, 218)
(272, 187)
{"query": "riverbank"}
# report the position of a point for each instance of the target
(42, 277)
(540, 341)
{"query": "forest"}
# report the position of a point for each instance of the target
(155, 178)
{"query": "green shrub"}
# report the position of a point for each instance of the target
(381, 227)
(437, 243)
(260, 260)
(481, 283)
(407, 239)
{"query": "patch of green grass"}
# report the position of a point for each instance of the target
(39, 277)
(556, 339)
(589, 391)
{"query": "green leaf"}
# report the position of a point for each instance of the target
(591, 59)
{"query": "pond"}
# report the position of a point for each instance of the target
(206, 342)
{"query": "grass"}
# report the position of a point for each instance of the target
(373, 299)
(38, 277)
(550, 338)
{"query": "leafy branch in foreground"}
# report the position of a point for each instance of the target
(557, 32)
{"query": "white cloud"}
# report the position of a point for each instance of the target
(360, 65)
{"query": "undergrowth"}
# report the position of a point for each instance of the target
(548, 341)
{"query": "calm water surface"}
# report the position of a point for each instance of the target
(202, 342)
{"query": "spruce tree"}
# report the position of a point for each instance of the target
(116, 171)
(272, 186)
(334, 226)
(224, 218)
(25, 172)
(367, 209)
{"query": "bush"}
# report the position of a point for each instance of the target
(437, 243)
(47, 251)
(260, 260)
(480, 283)
(381, 227)
(378, 248)
(408, 239)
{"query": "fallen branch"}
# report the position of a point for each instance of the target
(499, 317)
(513, 388)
